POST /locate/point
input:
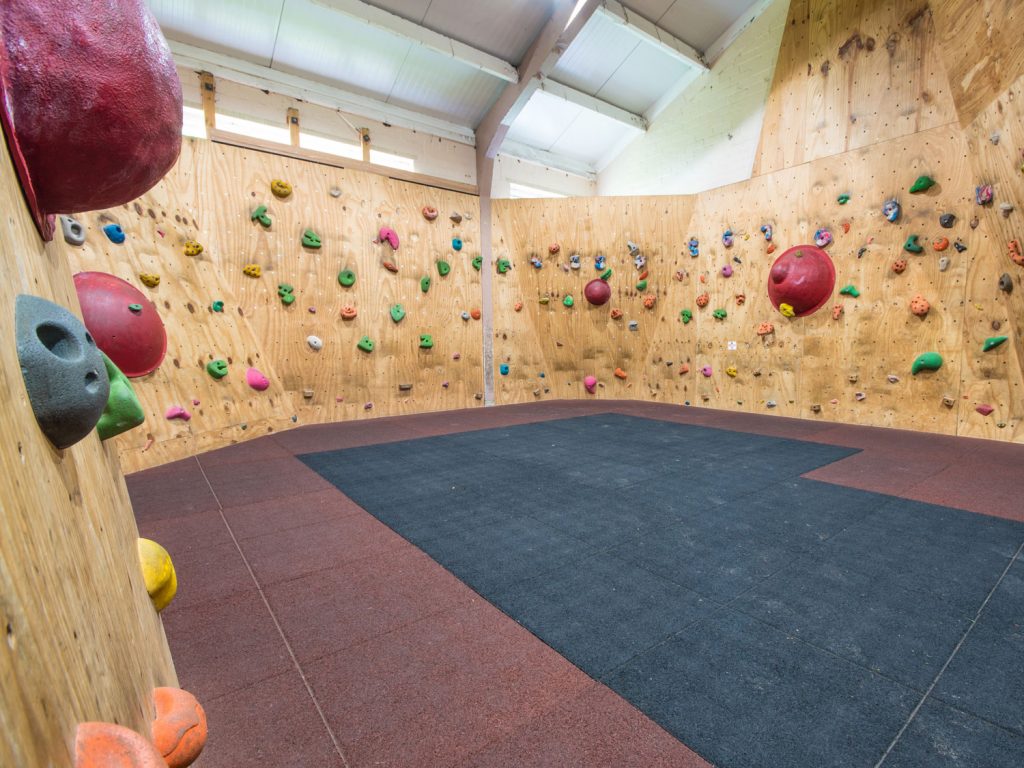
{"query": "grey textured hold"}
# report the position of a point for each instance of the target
(63, 369)
(943, 264)
(1006, 282)
(335, 192)
(634, 325)
(74, 232)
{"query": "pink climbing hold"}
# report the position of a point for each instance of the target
(195, 401)
(984, 409)
(590, 382)
(706, 370)
(177, 412)
(389, 236)
(727, 270)
(256, 380)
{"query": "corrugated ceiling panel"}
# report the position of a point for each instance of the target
(242, 28)
(598, 50)
(438, 84)
(643, 77)
(543, 120)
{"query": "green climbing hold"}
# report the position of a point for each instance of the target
(642, 285)
(217, 368)
(136, 308)
(606, 274)
(347, 278)
(504, 265)
(426, 341)
(849, 290)
(923, 184)
(425, 283)
(478, 263)
(720, 314)
(217, 306)
(443, 268)
(927, 361)
(311, 239)
(286, 292)
(686, 316)
(992, 342)
(365, 344)
(843, 199)
(912, 246)
(260, 215)
(397, 313)
(123, 410)
(568, 301)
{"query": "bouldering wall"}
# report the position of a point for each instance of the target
(81, 640)
(209, 198)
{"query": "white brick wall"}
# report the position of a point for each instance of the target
(708, 136)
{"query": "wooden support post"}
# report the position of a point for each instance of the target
(208, 93)
(364, 137)
(293, 125)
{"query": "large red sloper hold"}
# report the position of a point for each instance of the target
(803, 277)
(90, 103)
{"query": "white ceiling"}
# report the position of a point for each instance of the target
(349, 47)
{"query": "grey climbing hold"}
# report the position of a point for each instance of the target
(947, 220)
(65, 376)
(943, 264)
(74, 232)
(335, 192)
(1006, 283)
(634, 325)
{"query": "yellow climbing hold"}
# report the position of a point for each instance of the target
(252, 270)
(731, 371)
(280, 188)
(786, 310)
(148, 280)
(192, 248)
(157, 573)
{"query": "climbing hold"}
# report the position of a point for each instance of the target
(891, 210)
(947, 220)
(849, 290)
(643, 275)
(286, 292)
(633, 248)
(123, 410)
(503, 369)
(260, 215)
(984, 409)
(960, 247)
(192, 248)
(74, 232)
(837, 311)
(702, 300)
(639, 261)
(114, 233)
(536, 262)
(616, 313)
(157, 570)
(927, 361)
(706, 371)
(149, 280)
(843, 199)
(348, 312)
(948, 401)
(822, 237)
(404, 387)
(741, 299)
(179, 728)
(465, 315)
(1006, 283)
(456, 356)
(771, 248)
(311, 239)
(650, 300)
(443, 268)
(217, 306)
(767, 231)
(912, 246)
(686, 316)
(347, 278)
(456, 217)
(727, 271)
(365, 344)
(315, 342)
(475, 313)
(899, 266)
(1006, 209)
(941, 244)
(135, 308)
(620, 374)
(477, 263)
(597, 292)
(803, 278)
(846, 227)
(429, 212)
(859, 396)
(503, 265)
(390, 266)
(543, 300)
(1013, 251)
(684, 369)
(892, 378)
(333, 192)
(983, 194)
(568, 301)
(786, 310)
(456, 243)
(694, 246)
(426, 341)
(106, 745)
(923, 184)
(281, 189)
(251, 270)
(852, 378)
(720, 314)
(218, 369)
(552, 249)
(919, 305)
(816, 408)
(731, 371)
(727, 238)
(634, 325)
(389, 236)
(992, 342)
(641, 285)
(590, 383)
(177, 412)
(518, 307)
(943, 264)
(764, 329)
(256, 380)
(397, 313)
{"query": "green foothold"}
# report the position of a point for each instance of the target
(311, 239)
(606, 274)
(260, 215)
(912, 245)
(347, 278)
(286, 292)
(365, 344)
(217, 368)
(287, 299)
(425, 284)
(217, 306)
(426, 342)
(720, 314)
(849, 290)
(123, 410)
(478, 263)
(504, 265)
(928, 361)
(686, 316)
(568, 301)
(843, 199)
(642, 285)
(992, 342)
(136, 308)
(397, 313)
(923, 184)
(443, 268)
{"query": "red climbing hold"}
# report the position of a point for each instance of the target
(134, 341)
(597, 292)
(803, 277)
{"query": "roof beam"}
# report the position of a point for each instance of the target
(553, 40)
(652, 33)
(265, 78)
(421, 36)
(544, 157)
(593, 103)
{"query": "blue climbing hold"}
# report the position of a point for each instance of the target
(114, 233)
(503, 369)
(457, 243)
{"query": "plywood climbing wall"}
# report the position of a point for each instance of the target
(208, 197)
(81, 640)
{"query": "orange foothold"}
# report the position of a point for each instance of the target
(703, 278)
(684, 369)
(837, 311)
(846, 226)
(899, 265)
(650, 300)
(941, 244)
(554, 248)
(348, 313)
(644, 275)
(616, 313)
(1014, 252)
(771, 248)
(703, 299)
(390, 266)
(106, 745)
(620, 374)
(519, 306)
(429, 212)
(475, 314)
(741, 299)
(179, 728)
(919, 305)
(765, 328)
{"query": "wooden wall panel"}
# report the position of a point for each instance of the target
(81, 640)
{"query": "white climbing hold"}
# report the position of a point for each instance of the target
(315, 342)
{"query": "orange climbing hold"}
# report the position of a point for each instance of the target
(919, 305)
(650, 300)
(1015, 254)
(390, 266)
(554, 248)
(703, 299)
(519, 306)
(837, 311)
(475, 314)
(771, 248)
(941, 244)
(616, 313)
(644, 275)
(899, 266)
(429, 212)
(741, 299)
(620, 374)
(179, 728)
(846, 227)
(684, 369)
(765, 328)
(106, 745)
(348, 313)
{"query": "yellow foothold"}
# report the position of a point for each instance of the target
(786, 310)
(731, 370)
(252, 270)
(148, 280)
(158, 573)
(192, 248)
(281, 189)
